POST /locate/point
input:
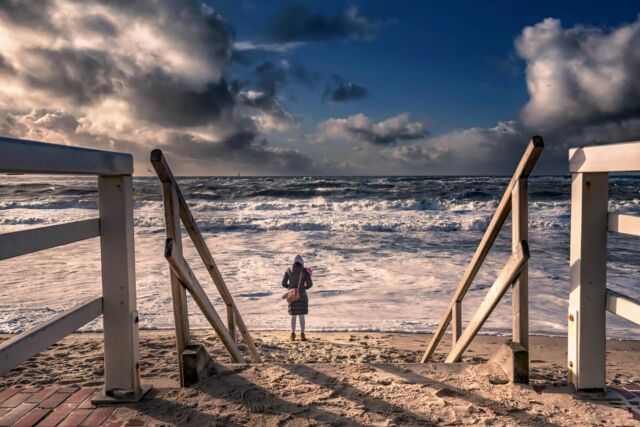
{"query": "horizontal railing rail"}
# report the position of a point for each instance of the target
(31, 157)
(514, 200)
(117, 304)
(589, 297)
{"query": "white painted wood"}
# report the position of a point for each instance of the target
(25, 242)
(164, 173)
(192, 284)
(506, 277)
(623, 306)
(623, 157)
(456, 322)
(16, 350)
(178, 293)
(21, 156)
(520, 289)
(523, 170)
(625, 224)
(121, 358)
(587, 297)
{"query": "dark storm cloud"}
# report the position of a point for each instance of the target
(5, 66)
(163, 99)
(100, 24)
(270, 77)
(341, 90)
(83, 75)
(31, 13)
(243, 148)
(295, 22)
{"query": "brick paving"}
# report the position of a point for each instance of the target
(52, 406)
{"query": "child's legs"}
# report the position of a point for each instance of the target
(301, 323)
(293, 323)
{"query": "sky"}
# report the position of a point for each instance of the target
(322, 87)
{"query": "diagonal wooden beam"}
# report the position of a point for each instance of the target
(189, 280)
(507, 276)
(523, 170)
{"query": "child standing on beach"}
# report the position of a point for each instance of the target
(298, 277)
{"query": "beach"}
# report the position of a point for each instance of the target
(345, 378)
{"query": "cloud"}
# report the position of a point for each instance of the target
(295, 22)
(581, 75)
(267, 112)
(267, 47)
(359, 128)
(131, 75)
(341, 90)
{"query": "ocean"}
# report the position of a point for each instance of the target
(386, 252)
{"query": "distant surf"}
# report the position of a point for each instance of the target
(387, 252)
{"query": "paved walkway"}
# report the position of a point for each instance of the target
(55, 406)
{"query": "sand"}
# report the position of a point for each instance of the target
(349, 379)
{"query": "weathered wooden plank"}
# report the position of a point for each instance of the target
(506, 277)
(164, 173)
(520, 289)
(121, 342)
(623, 157)
(231, 322)
(456, 322)
(178, 293)
(22, 156)
(586, 348)
(192, 284)
(623, 306)
(16, 350)
(625, 224)
(25, 242)
(523, 170)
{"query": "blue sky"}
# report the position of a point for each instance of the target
(322, 87)
(452, 64)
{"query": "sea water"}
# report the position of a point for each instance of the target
(386, 252)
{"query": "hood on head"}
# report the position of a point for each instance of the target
(298, 259)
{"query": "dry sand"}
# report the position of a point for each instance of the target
(349, 379)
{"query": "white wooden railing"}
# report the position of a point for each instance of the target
(114, 226)
(514, 272)
(589, 296)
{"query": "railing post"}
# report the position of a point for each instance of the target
(120, 316)
(178, 293)
(456, 322)
(231, 322)
(520, 288)
(587, 297)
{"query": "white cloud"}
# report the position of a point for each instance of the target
(580, 75)
(360, 128)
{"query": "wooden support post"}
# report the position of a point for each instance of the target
(520, 288)
(587, 297)
(231, 322)
(178, 293)
(456, 322)
(121, 359)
